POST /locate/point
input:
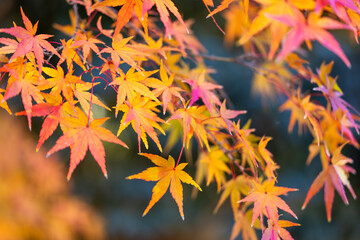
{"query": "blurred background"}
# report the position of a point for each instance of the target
(36, 201)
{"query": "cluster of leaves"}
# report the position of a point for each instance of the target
(162, 85)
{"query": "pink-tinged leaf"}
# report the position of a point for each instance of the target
(328, 41)
(227, 114)
(311, 29)
(203, 89)
(266, 201)
(333, 177)
(29, 42)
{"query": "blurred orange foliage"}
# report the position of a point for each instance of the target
(35, 202)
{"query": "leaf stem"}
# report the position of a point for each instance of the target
(182, 149)
(91, 98)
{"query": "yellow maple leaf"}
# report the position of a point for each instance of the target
(167, 174)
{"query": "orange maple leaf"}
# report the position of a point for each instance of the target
(166, 173)
(304, 112)
(162, 7)
(130, 85)
(266, 201)
(70, 55)
(87, 42)
(165, 88)
(140, 112)
(125, 13)
(277, 29)
(83, 135)
(59, 82)
(29, 42)
(233, 190)
(24, 80)
(192, 121)
(121, 50)
(224, 5)
(86, 98)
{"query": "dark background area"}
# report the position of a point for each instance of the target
(121, 202)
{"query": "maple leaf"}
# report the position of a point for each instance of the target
(272, 233)
(224, 5)
(311, 29)
(277, 29)
(184, 38)
(29, 41)
(167, 174)
(165, 88)
(331, 90)
(242, 224)
(83, 135)
(267, 156)
(215, 166)
(246, 142)
(303, 111)
(162, 7)
(155, 49)
(333, 177)
(266, 201)
(59, 82)
(24, 80)
(89, 7)
(106, 32)
(233, 190)
(336, 5)
(140, 112)
(203, 89)
(192, 121)
(10, 45)
(87, 42)
(3, 104)
(125, 13)
(237, 22)
(85, 97)
(54, 109)
(132, 84)
(227, 114)
(70, 55)
(121, 50)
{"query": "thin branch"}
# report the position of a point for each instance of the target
(77, 19)
(247, 60)
(225, 151)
